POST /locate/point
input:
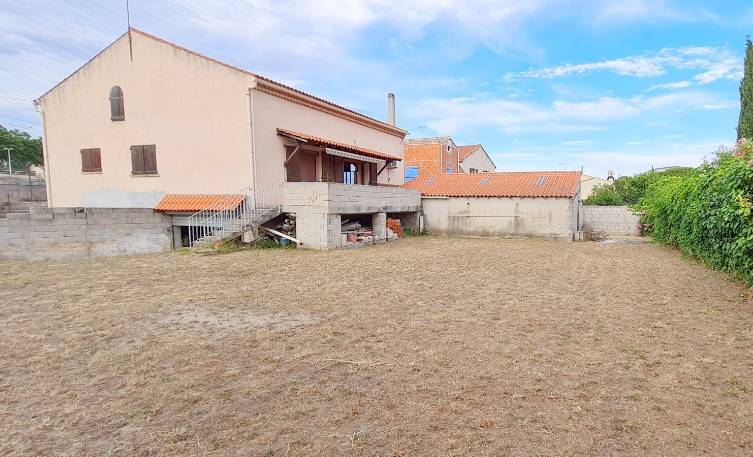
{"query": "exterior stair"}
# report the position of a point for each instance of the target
(235, 214)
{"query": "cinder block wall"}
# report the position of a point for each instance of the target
(64, 233)
(615, 220)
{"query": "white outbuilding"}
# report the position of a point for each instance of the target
(526, 204)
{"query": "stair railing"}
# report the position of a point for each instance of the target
(234, 212)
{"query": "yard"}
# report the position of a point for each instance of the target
(426, 346)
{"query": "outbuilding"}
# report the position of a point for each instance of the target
(526, 204)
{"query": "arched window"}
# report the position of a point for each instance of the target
(117, 112)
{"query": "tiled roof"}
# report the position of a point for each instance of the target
(318, 141)
(379, 123)
(504, 184)
(194, 203)
(465, 151)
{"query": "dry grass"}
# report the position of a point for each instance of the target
(427, 346)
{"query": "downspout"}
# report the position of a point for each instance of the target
(251, 126)
(45, 154)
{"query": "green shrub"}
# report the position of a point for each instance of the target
(628, 190)
(707, 213)
(604, 196)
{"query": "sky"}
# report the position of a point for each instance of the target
(543, 84)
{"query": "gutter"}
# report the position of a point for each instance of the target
(45, 153)
(252, 138)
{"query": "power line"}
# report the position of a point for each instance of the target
(17, 119)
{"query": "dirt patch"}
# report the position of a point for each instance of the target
(425, 346)
(197, 319)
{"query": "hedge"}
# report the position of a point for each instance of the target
(707, 213)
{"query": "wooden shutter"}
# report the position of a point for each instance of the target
(117, 111)
(137, 160)
(339, 168)
(372, 174)
(95, 159)
(85, 160)
(91, 160)
(150, 158)
(328, 168)
(292, 169)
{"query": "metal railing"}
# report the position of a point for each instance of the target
(234, 213)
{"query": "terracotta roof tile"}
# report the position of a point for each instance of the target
(465, 151)
(502, 184)
(194, 203)
(318, 141)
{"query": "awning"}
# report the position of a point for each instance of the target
(339, 148)
(350, 155)
(179, 203)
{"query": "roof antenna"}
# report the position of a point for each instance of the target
(130, 42)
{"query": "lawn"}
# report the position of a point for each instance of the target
(425, 346)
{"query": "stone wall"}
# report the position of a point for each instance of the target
(67, 233)
(615, 220)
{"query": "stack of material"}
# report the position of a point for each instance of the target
(394, 225)
(354, 232)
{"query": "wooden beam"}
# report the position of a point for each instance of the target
(383, 167)
(292, 154)
(275, 232)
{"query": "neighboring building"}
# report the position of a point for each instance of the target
(589, 183)
(146, 121)
(431, 156)
(529, 204)
(474, 159)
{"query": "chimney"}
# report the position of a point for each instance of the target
(391, 109)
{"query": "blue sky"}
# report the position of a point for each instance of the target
(542, 84)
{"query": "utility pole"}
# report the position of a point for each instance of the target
(10, 167)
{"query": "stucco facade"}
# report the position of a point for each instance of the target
(550, 218)
(589, 183)
(477, 160)
(214, 127)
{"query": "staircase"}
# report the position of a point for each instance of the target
(235, 214)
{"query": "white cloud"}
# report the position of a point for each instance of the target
(672, 85)
(462, 114)
(715, 63)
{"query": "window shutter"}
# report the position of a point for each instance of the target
(117, 111)
(137, 160)
(85, 160)
(96, 159)
(292, 168)
(150, 158)
(372, 174)
(339, 169)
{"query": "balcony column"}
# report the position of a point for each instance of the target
(379, 224)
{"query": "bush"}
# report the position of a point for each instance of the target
(604, 196)
(628, 190)
(707, 213)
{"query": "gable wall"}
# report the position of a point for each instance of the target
(195, 111)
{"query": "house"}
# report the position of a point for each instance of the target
(527, 204)
(149, 124)
(475, 159)
(435, 155)
(431, 156)
(589, 183)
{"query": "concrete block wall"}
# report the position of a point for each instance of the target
(319, 206)
(615, 220)
(67, 233)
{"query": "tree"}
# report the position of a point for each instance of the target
(745, 124)
(26, 150)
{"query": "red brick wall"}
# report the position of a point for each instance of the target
(427, 157)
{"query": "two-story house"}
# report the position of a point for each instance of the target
(149, 124)
(439, 155)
